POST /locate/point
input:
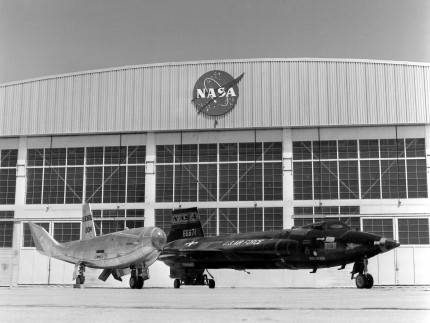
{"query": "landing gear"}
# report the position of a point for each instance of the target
(198, 280)
(80, 279)
(363, 279)
(177, 283)
(138, 276)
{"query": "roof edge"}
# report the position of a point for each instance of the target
(250, 60)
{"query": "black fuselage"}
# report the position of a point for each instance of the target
(319, 245)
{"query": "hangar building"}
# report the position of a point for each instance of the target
(287, 142)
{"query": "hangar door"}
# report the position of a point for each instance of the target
(35, 268)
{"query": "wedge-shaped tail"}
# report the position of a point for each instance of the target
(45, 244)
(185, 224)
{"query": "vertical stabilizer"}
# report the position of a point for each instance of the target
(44, 243)
(185, 224)
(88, 230)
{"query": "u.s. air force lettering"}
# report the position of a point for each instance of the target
(216, 92)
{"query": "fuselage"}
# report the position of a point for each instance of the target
(319, 245)
(116, 250)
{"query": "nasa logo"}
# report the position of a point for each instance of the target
(216, 92)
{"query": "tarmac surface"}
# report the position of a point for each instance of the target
(201, 304)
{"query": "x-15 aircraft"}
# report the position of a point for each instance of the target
(318, 245)
(119, 253)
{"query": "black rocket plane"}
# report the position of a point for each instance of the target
(318, 245)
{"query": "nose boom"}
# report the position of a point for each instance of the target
(387, 244)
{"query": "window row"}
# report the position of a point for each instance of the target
(410, 231)
(365, 179)
(80, 156)
(223, 152)
(310, 210)
(103, 184)
(359, 149)
(225, 221)
(6, 229)
(8, 162)
(108, 221)
(219, 182)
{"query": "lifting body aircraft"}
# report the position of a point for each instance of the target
(119, 253)
(318, 245)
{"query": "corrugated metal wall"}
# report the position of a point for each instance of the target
(273, 93)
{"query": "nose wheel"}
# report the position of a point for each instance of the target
(363, 279)
(138, 276)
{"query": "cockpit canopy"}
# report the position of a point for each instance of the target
(326, 225)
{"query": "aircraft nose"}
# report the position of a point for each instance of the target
(387, 244)
(158, 238)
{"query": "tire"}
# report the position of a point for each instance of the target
(177, 283)
(139, 282)
(211, 283)
(360, 281)
(369, 281)
(133, 282)
(80, 280)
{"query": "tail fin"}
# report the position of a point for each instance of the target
(45, 244)
(185, 224)
(88, 230)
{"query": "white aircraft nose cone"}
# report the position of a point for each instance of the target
(158, 238)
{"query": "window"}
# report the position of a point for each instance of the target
(207, 182)
(417, 178)
(369, 148)
(208, 218)
(393, 179)
(250, 220)
(413, 231)
(135, 218)
(348, 149)
(353, 222)
(273, 218)
(325, 180)
(163, 219)
(28, 238)
(234, 171)
(325, 150)
(366, 169)
(273, 181)
(303, 210)
(113, 175)
(228, 221)
(113, 220)
(370, 179)
(303, 183)
(67, 231)
(348, 180)
(381, 227)
(326, 210)
(8, 161)
(302, 150)
(6, 229)
(299, 222)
